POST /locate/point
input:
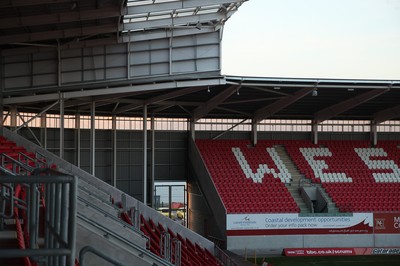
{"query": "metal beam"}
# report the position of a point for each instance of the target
(159, 98)
(37, 115)
(170, 22)
(93, 138)
(275, 107)
(145, 155)
(386, 114)
(19, 3)
(233, 111)
(62, 132)
(341, 107)
(78, 139)
(176, 5)
(162, 108)
(55, 18)
(58, 34)
(204, 109)
(114, 151)
(155, 34)
(252, 100)
(115, 90)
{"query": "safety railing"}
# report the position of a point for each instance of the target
(10, 165)
(224, 258)
(98, 253)
(56, 245)
(38, 162)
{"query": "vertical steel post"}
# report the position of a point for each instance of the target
(314, 132)
(153, 148)
(178, 249)
(374, 133)
(114, 151)
(33, 223)
(93, 138)
(145, 154)
(64, 218)
(192, 128)
(254, 138)
(57, 219)
(13, 117)
(72, 222)
(78, 139)
(62, 125)
(43, 130)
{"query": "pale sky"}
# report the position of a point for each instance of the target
(346, 39)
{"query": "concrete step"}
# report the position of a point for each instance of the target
(295, 175)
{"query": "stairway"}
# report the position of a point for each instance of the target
(98, 217)
(331, 205)
(293, 186)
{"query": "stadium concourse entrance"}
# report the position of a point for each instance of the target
(170, 199)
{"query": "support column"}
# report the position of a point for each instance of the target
(1, 115)
(374, 133)
(314, 132)
(114, 151)
(1, 97)
(93, 138)
(13, 117)
(145, 154)
(153, 149)
(192, 129)
(61, 125)
(254, 132)
(43, 130)
(78, 139)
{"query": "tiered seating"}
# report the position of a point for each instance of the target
(191, 253)
(357, 177)
(15, 156)
(17, 160)
(248, 179)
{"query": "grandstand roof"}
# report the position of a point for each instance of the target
(235, 97)
(95, 22)
(71, 23)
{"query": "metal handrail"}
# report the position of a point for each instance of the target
(100, 254)
(7, 197)
(116, 219)
(123, 240)
(37, 162)
(15, 163)
(224, 258)
(59, 220)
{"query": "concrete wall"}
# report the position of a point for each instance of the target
(267, 245)
(170, 155)
(208, 214)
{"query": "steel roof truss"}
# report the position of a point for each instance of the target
(387, 114)
(343, 106)
(56, 18)
(57, 34)
(159, 98)
(176, 5)
(202, 110)
(178, 21)
(275, 107)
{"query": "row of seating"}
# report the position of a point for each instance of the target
(191, 253)
(10, 154)
(235, 166)
(352, 167)
(248, 179)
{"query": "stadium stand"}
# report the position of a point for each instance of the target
(99, 215)
(248, 179)
(357, 177)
